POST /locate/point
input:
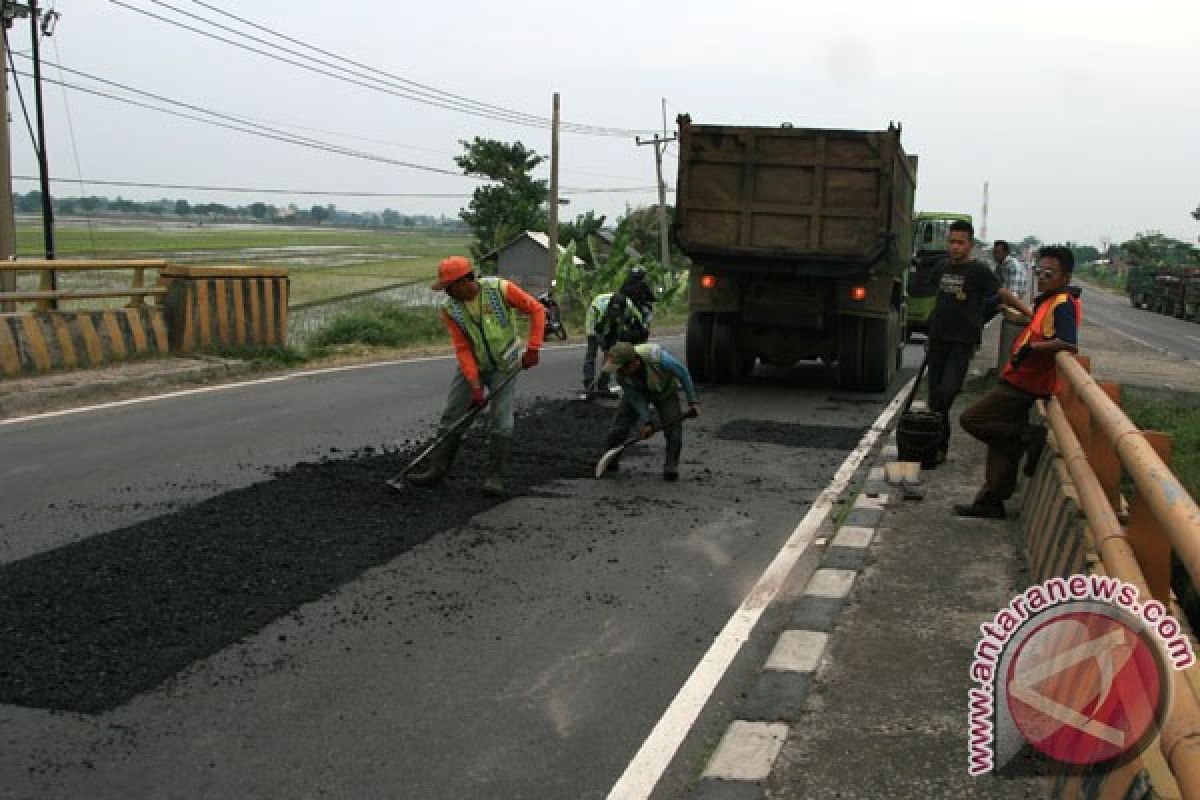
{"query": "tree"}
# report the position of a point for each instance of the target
(319, 214)
(182, 207)
(1152, 248)
(500, 211)
(584, 226)
(258, 210)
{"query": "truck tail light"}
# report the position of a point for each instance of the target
(708, 281)
(858, 293)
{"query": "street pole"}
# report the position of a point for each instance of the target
(8, 226)
(43, 163)
(660, 145)
(552, 226)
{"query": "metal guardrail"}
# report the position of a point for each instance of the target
(47, 298)
(1096, 440)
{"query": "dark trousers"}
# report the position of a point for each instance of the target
(948, 363)
(1000, 419)
(668, 408)
(594, 345)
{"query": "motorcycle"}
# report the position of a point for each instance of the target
(554, 324)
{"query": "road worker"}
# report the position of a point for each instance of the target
(650, 376)
(611, 318)
(481, 315)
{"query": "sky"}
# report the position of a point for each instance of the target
(1082, 117)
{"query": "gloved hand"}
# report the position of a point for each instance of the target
(646, 431)
(477, 398)
(693, 410)
(1021, 355)
(529, 358)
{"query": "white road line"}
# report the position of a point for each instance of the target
(241, 384)
(645, 770)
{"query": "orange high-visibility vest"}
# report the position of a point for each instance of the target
(1037, 374)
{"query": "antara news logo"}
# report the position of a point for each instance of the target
(1079, 667)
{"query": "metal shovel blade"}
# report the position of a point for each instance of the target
(606, 459)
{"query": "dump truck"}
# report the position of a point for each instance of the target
(800, 240)
(932, 230)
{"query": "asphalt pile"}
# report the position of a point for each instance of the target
(91, 625)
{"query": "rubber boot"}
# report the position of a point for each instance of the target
(499, 452)
(437, 464)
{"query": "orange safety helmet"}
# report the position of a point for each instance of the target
(450, 270)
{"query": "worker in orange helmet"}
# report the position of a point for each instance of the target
(480, 314)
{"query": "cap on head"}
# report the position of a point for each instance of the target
(450, 270)
(622, 354)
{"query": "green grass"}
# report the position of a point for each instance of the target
(322, 264)
(1177, 414)
(383, 326)
(1103, 278)
(265, 357)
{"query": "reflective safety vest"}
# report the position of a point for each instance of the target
(495, 340)
(659, 379)
(630, 322)
(1037, 373)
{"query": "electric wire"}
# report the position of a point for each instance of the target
(418, 86)
(321, 192)
(386, 87)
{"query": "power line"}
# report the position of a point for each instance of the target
(422, 95)
(319, 192)
(573, 127)
(243, 126)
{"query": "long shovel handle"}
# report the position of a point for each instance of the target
(612, 453)
(458, 426)
(917, 384)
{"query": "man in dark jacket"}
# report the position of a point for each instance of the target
(960, 310)
(639, 293)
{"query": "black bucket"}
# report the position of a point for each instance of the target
(917, 437)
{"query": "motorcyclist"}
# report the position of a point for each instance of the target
(639, 292)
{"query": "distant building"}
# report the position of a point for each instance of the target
(526, 261)
(602, 244)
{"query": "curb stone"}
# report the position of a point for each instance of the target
(763, 719)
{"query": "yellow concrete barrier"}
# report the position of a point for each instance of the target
(40, 341)
(213, 307)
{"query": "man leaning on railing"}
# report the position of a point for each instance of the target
(1000, 419)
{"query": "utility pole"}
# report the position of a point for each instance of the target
(660, 145)
(552, 226)
(8, 225)
(43, 163)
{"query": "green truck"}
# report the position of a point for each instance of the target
(800, 239)
(931, 230)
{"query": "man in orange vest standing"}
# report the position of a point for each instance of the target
(481, 316)
(1000, 419)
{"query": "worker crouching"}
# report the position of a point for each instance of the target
(650, 376)
(481, 316)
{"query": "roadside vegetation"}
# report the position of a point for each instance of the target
(1177, 414)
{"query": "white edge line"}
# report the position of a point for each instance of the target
(655, 754)
(240, 384)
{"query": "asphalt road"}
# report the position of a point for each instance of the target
(526, 653)
(1175, 336)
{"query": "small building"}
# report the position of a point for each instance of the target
(525, 260)
(602, 242)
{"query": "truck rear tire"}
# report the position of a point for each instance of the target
(726, 360)
(867, 351)
(699, 345)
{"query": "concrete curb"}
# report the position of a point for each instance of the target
(746, 754)
(52, 398)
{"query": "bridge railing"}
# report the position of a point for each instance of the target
(47, 297)
(1133, 537)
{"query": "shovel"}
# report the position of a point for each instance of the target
(607, 458)
(462, 424)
